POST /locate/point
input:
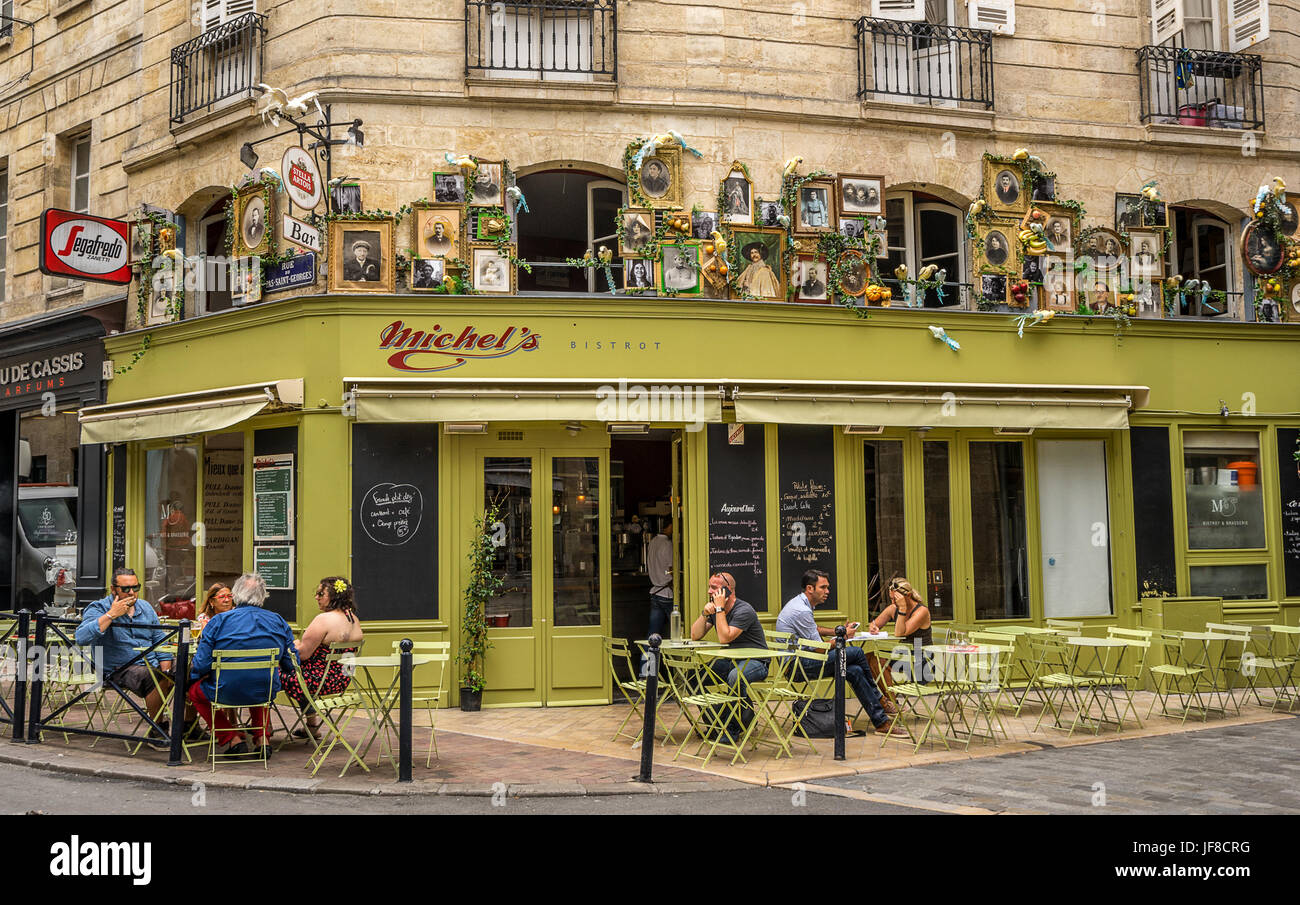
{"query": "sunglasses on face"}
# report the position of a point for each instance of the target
(128, 588)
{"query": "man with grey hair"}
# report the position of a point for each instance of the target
(245, 627)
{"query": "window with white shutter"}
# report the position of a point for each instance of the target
(899, 10)
(216, 12)
(997, 16)
(1247, 23)
(1167, 17)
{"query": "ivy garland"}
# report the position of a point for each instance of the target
(144, 286)
(145, 342)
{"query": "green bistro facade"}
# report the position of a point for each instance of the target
(1082, 471)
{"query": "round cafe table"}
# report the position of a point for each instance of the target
(380, 703)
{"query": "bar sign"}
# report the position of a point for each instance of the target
(301, 234)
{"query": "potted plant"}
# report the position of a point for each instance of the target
(483, 585)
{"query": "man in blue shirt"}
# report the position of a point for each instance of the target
(246, 627)
(797, 618)
(103, 628)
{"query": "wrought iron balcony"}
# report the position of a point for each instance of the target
(222, 63)
(942, 65)
(1201, 88)
(554, 40)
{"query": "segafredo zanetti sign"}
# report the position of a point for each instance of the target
(85, 247)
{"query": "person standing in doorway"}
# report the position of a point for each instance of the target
(659, 564)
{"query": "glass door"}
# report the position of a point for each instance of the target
(573, 653)
(513, 668)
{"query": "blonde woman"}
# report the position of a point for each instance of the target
(218, 599)
(911, 617)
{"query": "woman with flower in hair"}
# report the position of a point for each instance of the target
(337, 622)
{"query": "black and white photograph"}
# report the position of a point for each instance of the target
(1126, 218)
(1105, 251)
(1060, 233)
(1288, 219)
(1007, 192)
(769, 213)
(1262, 251)
(993, 286)
(854, 272)
(1044, 189)
(810, 279)
(703, 224)
(362, 256)
(996, 248)
(245, 281)
(656, 178)
(437, 231)
(1156, 214)
(492, 271)
(1032, 269)
(738, 193)
(142, 241)
(638, 229)
(861, 194)
(1147, 250)
(253, 223)
(853, 229)
(680, 268)
(345, 198)
(1295, 300)
(639, 273)
(487, 185)
(427, 273)
(815, 208)
(449, 188)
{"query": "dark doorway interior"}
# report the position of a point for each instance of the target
(570, 212)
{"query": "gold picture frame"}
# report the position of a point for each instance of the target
(491, 272)
(770, 245)
(426, 218)
(352, 271)
(1010, 197)
(815, 210)
(738, 197)
(254, 220)
(489, 184)
(638, 230)
(660, 179)
(861, 196)
(996, 248)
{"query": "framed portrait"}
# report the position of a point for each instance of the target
(1294, 315)
(488, 190)
(162, 298)
(1059, 228)
(1044, 189)
(1148, 298)
(493, 272)
(638, 230)
(738, 195)
(253, 218)
(1105, 250)
(1004, 187)
(855, 273)
(1058, 283)
(639, 274)
(853, 228)
(449, 187)
(1033, 268)
(436, 230)
(1146, 254)
(362, 258)
(861, 195)
(345, 197)
(1000, 244)
(142, 241)
(769, 213)
(703, 224)
(1126, 220)
(427, 274)
(810, 278)
(1155, 214)
(1261, 251)
(1288, 218)
(660, 178)
(489, 225)
(815, 208)
(760, 262)
(993, 287)
(679, 268)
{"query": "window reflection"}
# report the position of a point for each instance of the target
(998, 531)
(509, 483)
(575, 517)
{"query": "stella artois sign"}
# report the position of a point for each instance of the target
(301, 178)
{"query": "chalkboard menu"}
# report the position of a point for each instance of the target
(394, 520)
(1153, 512)
(1289, 482)
(273, 497)
(272, 446)
(119, 508)
(738, 512)
(806, 485)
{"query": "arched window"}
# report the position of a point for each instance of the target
(922, 229)
(572, 211)
(1204, 250)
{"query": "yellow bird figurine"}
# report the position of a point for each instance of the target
(977, 207)
(790, 166)
(1279, 187)
(586, 256)
(1020, 154)
(464, 161)
(901, 271)
(605, 255)
(719, 244)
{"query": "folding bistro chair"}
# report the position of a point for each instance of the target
(225, 662)
(337, 651)
(799, 692)
(336, 711)
(1066, 628)
(1235, 642)
(1131, 666)
(1059, 674)
(1176, 676)
(918, 700)
(440, 651)
(707, 703)
(1270, 654)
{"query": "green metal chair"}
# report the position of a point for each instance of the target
(1057, 674)
(1176, 676)
(440, 651)
(336, 712)
(1235, 643)
(1132, 665)
(1066, 628)
(917, 702)
(1270, 653)
(707, 704)
(337, 651)
(225, 662)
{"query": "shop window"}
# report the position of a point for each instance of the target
(1203, 249)
(46, 546)
(998, 531)
(223, 508)
(171, 491)
(1074, 524)
(508, 482)
(582, 213)
(1225, 506)
(1248, 582)
(921, 230)
(938, 529)
(575, 521)
(886, 537)
(4, 228)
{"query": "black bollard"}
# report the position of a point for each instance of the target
(651, 706)
(36, 687)
(180, 674)
(20, 682)
(405, 676)
(841, 661)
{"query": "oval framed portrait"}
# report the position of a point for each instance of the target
(1260, 250)
(1295, 300)
(997, 247)
(656, 178)
(853, 272)
(252, 222)
(1289, 218)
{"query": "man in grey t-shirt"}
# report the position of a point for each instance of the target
(797, 618)
(738, 628)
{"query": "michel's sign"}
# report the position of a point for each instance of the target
(439, 349)
(85, 247)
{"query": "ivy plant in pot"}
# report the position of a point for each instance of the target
(483, 585)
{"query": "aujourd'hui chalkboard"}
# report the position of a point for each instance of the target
(738, 512)
(806, 488)
(1153, 512)
(1289, 482)
(394, 520)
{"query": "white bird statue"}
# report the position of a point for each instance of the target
(298, 105)
(942, 335)
(515, 194)
(272, 105)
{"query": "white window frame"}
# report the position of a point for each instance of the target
(219, 12)
(1228, 247)
(502, 52)
(593, 241)
(77, 142)
(936, 12)
(912, 210)
(1216, 27)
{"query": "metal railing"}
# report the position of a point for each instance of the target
(1201, 88)
(222, 63)
(941, 65)
(574, 40)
